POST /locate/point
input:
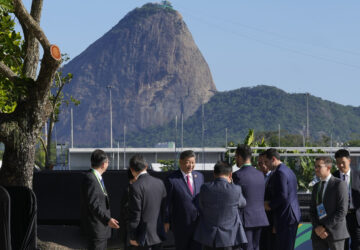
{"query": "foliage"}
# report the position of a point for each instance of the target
(250, 141)
(168, 165)
(11, 54)
(261, 108)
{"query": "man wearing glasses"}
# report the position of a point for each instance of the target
(328, 208)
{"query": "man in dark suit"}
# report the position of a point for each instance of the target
(220, 225)
(283, 201)
(183, 187)
(267, 238)
(146, 207)
(352, 179)
(252, 184)
(329, 204)
(95, 208)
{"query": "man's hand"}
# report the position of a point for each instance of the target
(320, 230)
(134, 243)
(266, 205)
(113, 223)
(324, 235)
(166, 227)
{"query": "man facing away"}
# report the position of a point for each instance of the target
(183, 187)
(352, 179)
(146, 204)
(95, 207)
(252, 184)
(329, 204)
(267, 238)
(220, 225)
(283, 201)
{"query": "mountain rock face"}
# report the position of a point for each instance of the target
(154, 69)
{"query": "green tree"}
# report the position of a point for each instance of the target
(168, 165)
(57, 98)
(25, 88)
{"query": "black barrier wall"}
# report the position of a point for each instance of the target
(58, 194)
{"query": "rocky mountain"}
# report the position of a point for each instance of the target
(154, 69)
(261, 108)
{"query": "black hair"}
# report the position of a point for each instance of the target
(98, 157)
(187, 154)
(326, 159)
(244, 151)
(137, 163)
(342, 153)
(271, 152)
(129, 174)
(222, 168)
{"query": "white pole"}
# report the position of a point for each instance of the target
(279, 135)
(124, 146)
(118, 156)
(72, 129)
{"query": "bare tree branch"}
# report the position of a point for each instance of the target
(7, 72)
(33, 26)
(31, 61)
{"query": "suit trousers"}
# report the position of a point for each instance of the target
(267, 239)
(153, 247)
(320, 244)
(253, 237)
(354, 231)
(221, 248)
(285, 237)
(97, 244)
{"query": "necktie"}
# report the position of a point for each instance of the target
(103, 185)
(345, 178)
(321, 192)
(189, 184)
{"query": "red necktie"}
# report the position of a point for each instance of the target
(189, 184)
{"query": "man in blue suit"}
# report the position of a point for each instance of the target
(283, 201)
(252, 184)
(183, 187)
(220, 225)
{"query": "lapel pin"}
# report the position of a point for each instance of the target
(195, 175)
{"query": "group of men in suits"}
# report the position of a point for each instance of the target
(227, 213)
(335, 204)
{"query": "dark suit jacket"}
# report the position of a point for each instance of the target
(182, 207)
(220, 224)
(252, 184)
(335, 201)
(146, 204)
(95, 208)
(355, 190)
(283, 197)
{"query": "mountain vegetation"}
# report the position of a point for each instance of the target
(261, 108)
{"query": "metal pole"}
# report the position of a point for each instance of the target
(307, 118)
(175, 136)
(124, 146)
(118, 156)
(226, 139)
(182, 131)
(111, 137)
(72, 129)
(203, 135)
(279, 135)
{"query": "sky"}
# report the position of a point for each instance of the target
(297, 46)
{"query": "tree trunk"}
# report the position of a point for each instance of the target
(48, 152)
(18, 160)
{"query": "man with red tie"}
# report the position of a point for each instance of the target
(183, 187)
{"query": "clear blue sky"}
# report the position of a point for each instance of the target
(298, 46)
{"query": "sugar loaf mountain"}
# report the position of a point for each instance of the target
(156, 72)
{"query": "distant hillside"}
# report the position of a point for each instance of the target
(261, 108)
(154, 68)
